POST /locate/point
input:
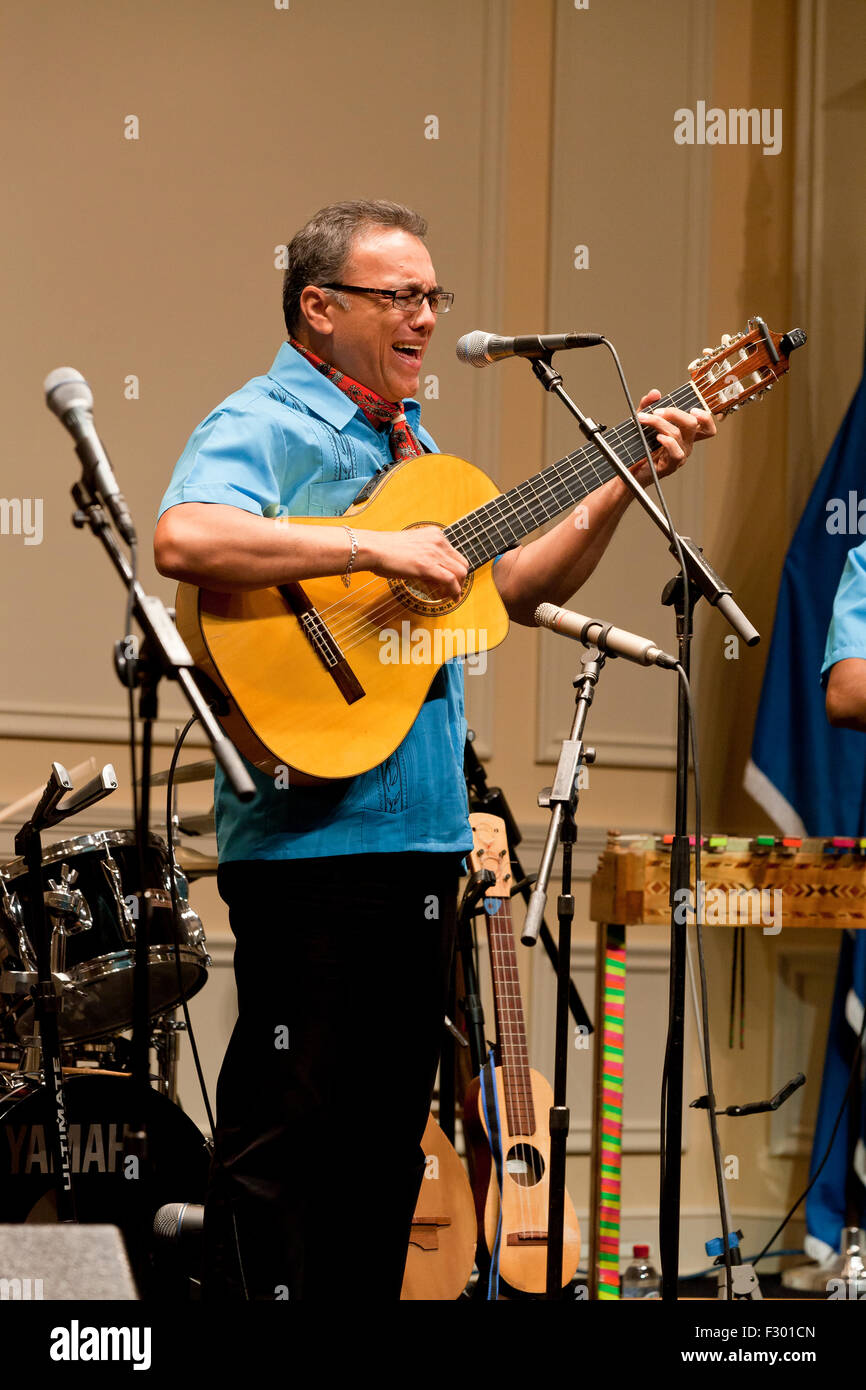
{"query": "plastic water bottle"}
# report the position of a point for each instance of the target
(641, 1279)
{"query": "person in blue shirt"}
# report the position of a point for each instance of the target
(844, 669)
(342, 896)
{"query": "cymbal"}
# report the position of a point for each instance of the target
(193, 864)
(204, 824)
(186, 772)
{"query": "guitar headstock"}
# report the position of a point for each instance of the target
(490, 851)
(744, 365)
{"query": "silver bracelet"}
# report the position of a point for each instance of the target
(352, 537)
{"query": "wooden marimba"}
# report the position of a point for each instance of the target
(763, 881)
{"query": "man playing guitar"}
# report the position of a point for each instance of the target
(342, 894)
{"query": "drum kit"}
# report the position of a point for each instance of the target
(90, 887)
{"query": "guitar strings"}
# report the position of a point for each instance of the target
(358, 622)
(347, 605)
(519, 1060)
(356, 619)
(516, 1083)
(477, 521)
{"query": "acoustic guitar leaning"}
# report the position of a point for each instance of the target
(442, 1243)
(523, 1102)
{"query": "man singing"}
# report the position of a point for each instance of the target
(342, 896)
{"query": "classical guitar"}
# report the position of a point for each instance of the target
(327, 681)
(523, 1101)
(442, 1243)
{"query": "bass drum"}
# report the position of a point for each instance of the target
(99, 1111)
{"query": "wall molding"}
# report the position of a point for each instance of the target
(94, 724)
(637, 745)
(108, 723)
(648, 960)
(614, 748)
(804, 980)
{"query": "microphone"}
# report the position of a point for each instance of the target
(178, 1223)
(480, 349)
(593, 632)
(68, 395)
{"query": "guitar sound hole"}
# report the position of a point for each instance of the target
(524, 1165)
(418, 598)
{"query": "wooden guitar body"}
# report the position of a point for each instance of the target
(442, 1243)
(286, 707)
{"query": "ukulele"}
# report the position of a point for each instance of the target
(523, 1098)
(442, 1243)
(327, 681)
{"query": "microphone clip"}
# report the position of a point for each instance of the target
(755, 1107)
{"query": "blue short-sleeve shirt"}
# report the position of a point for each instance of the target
(292, 444)
(846, 636)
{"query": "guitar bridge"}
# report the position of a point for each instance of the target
(323, 642)
(425, 1231)
(527, 1238)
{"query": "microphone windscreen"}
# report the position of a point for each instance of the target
(472, 348)
(177, 1220)
(545, 613)
(65, 388)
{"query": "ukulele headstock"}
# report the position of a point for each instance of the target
(743, 366)
(490, 851)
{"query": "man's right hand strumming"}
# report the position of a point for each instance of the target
(230, 550)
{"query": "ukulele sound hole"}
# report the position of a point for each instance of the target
(524, 1165)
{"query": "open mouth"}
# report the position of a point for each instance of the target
(410, 352)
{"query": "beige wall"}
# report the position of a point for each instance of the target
(155, 257)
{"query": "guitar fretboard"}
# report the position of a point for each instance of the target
(510, 1027)
(493, 527)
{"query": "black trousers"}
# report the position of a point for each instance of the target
(342, 969)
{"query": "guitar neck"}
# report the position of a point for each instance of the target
(510, 1026)
(492, 528)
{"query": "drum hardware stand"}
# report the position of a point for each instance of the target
(165, 1040)
(48, 948)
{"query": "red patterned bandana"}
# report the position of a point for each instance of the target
(382, 414)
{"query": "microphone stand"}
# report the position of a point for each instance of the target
(562, 800)
(162, 653)
(714, 589)
(473, 1011)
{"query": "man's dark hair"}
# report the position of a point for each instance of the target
(318, 252)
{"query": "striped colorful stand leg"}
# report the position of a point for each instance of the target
(607, 1113)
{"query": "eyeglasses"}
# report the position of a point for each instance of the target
(440, 301)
